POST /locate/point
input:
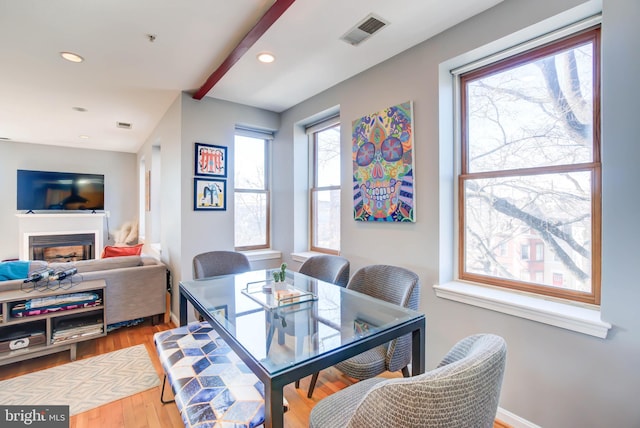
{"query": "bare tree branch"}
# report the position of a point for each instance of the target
(550, 73)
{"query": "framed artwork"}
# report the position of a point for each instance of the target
(382, 153)
(210, 160)
(209, 194)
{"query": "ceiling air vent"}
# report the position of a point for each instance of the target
(123, 125)
(364, 29)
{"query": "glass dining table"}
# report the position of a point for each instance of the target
(284, 332)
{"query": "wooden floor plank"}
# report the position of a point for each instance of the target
(144, 410)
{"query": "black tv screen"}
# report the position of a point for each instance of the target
(47, 190)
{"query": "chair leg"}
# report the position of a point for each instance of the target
(405, 371)
(312, 384)
(162, 400)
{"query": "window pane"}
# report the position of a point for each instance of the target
(327, 219)
(525, 212)
(328, 157)
(536, 114)
(249, 163)
(250, 219)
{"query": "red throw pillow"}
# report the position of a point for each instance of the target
(110, 251)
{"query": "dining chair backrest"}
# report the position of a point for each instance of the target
(396, 285)
(328, 268)
(214, 263)
(463, 391)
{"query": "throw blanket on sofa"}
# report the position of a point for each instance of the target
(17, 269)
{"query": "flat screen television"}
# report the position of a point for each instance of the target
(48, 190)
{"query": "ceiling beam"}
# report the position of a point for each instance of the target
(275, 11)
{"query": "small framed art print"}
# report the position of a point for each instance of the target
(209, 194)
(210, 160)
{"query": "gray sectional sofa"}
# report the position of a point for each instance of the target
(136, 285)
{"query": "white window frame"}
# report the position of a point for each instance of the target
(312, 132)
(268, 138)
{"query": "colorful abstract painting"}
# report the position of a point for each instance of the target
(210, 160)
(382, 156)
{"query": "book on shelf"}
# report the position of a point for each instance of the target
(76, 327)
(77, 332)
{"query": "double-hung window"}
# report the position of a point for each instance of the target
(251, 189)
(530, 170)
(324, 140)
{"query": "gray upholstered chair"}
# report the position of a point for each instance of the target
(395, 285)
(463, 391)
(328, 268)
(214, 263)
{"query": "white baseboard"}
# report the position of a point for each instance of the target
(514, 420)
(175, 319)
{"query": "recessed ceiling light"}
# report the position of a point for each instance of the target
(81, 109)
(70, 56)
(266, 57)
(84, 137)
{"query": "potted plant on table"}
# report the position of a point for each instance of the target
(279, 275)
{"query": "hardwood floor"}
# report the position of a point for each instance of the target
(145, 409)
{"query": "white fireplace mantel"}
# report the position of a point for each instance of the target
(58, 224)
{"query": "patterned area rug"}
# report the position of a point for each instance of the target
(86, 383)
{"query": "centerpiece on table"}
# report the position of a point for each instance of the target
(278, 279)
(280, 275)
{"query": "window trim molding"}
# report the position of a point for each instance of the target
(268, 140)
(312, 135)
(560, 42)
(267, 245)
(321, 125)
(449, 160)
(265, 254)
(530, 44)
(582, 319)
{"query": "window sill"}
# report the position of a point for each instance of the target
(581, 319)
(255, 255)
(302, 256)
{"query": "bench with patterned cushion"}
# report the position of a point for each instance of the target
(212, 386)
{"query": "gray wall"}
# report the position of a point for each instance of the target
(212, 121)
(185, 232)
(554, 377)
(118, 168)
(165, 214)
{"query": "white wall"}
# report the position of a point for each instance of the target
(554, 377)
(118, 168)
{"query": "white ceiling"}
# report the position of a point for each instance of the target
(127, 78)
